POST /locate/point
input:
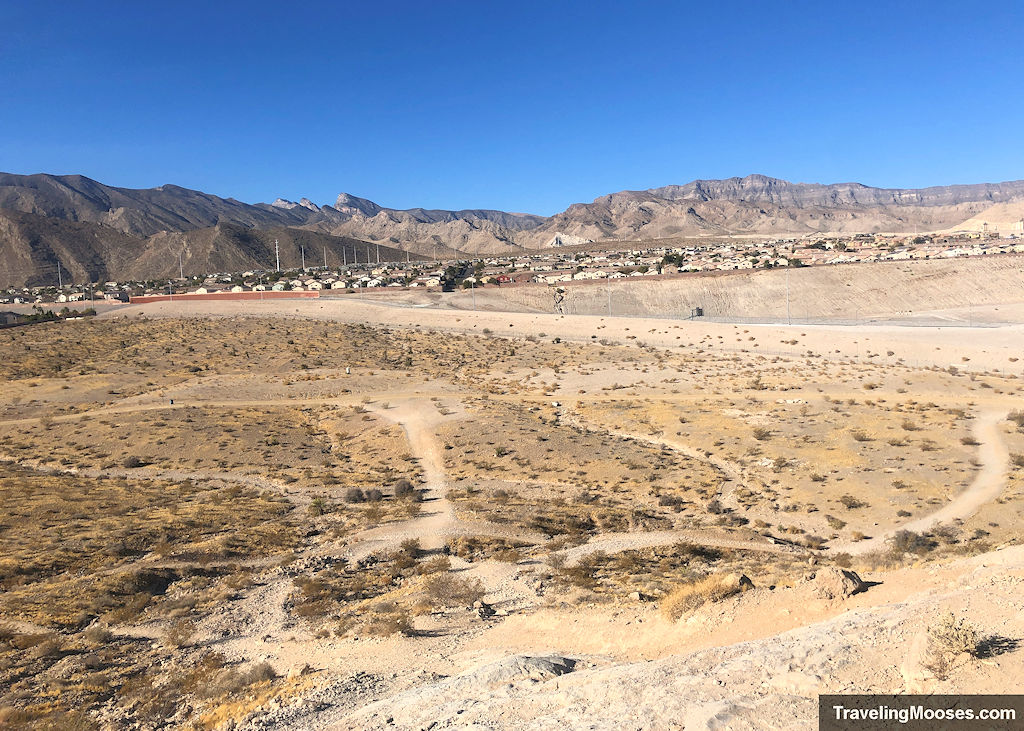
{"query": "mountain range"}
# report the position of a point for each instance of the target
(100, 232)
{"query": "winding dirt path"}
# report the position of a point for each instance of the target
(618, 542)
(438, 521)
(989, 482)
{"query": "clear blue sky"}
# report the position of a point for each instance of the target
(521, 106)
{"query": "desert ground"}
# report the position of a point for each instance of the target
(362, 513)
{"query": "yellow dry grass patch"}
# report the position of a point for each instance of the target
(690, 597)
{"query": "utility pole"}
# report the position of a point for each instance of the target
(277, 253)
(181, 267)
(60, 278)
(378, 253)
(303, 250)
(325, 257)
(344, 255)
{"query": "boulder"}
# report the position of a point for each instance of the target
(833, 583)
(522, 667)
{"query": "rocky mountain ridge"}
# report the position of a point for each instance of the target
(753, 205)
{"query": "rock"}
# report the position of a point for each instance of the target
(833, 583)
(522, 667)
(737, 581)
(483, 609)
(296, 671)
(634, 596)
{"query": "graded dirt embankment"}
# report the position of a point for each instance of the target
(974, 349)
(895, 290)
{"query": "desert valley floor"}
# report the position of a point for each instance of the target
(349, 515)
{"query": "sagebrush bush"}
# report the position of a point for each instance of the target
(905, 541)
(948, 639)
(449, 591)
(690, 597)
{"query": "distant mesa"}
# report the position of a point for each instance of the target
(99, 230)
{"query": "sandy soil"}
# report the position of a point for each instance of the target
(974, 349)
(542, 654)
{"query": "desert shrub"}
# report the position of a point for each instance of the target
(411, 547)
(179, 633)
(814, 542)
(447, 590)
(843, 560)
(715, 507)
(670, 501)
(404, 488)
(508, 555)
(98, 635)
(435, 565)
(355, 495)
(388, 623)
(850, 502)
(906, 541)
(762, 434)
(691, 596)
(230, 681)
(835, 523)
(948, 639)
(859, 435)
(132, 462)
(946, 534)
(48, 648)
(319, 506)
(1017, 417)
(383, 619)
(693, 551)
(1017, 460)
(555, 560)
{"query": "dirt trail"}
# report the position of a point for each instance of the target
(618, 542)
(437, 521)
(989, 482)
(730, 469)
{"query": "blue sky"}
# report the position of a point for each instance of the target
(526, 106)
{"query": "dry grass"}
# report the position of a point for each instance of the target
(689, 597)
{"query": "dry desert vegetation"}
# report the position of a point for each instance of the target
(372, 517)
